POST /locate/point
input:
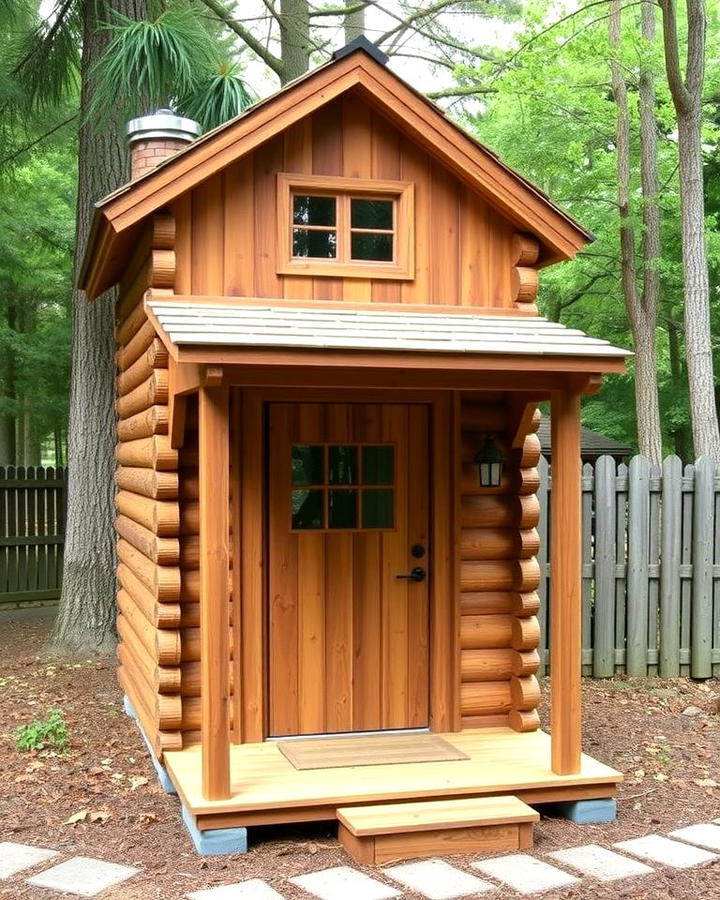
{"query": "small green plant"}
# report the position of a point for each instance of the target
(42, 734)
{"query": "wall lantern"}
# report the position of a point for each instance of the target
(489, 461)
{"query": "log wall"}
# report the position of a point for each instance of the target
(499, 575)
(148, 512)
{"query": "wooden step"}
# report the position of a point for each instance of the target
(374, 835)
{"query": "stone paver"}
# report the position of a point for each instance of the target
(344, 883)
(705, 835)
(254, 889)
(83, 876)
(16, 857)
(662, 850)
(597, 862)
(437, 880)
(525, 874)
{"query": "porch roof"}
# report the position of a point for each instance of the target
(188, 323)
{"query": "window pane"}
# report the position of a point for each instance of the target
(372, 246)
(371, 214)
(343, 465)
(342, 510)
(377, 509)
(307, 464)
(315, 244)
(377, 465)
(307, 509)
(313, 210)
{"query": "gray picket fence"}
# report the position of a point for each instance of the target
(651, 567)
(32, 527)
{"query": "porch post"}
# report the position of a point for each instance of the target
(566, 597)
(214, 464)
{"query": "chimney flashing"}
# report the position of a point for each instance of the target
(162, 124)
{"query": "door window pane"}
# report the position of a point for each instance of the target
(316, 244)
(372, 246)
(374, 214)
(377, 509)
(342, 509)
(314, 210)
(342, 465)
(307, 464)
(378, 465)
(307, 510)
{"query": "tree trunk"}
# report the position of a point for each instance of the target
(57, 434)
(682, 437)
(294, 39)
(701, 380)
(7, 440)
(641, 310)
(8, 425)
(686, 92)
(86, 617)
(32, 451)
(354, 22)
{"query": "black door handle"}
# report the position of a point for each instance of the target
(417, 574)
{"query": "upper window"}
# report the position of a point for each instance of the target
(345, 227)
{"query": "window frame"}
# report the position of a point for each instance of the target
(402, 266)
(359, 487)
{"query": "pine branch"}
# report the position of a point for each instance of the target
(24, 149)
(259, 49)
(339, 10)
(461, 91)
(409, 22)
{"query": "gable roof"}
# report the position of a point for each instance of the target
(119, 215)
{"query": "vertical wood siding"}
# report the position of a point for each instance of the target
(465, 251)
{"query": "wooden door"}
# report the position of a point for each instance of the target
(348, 641)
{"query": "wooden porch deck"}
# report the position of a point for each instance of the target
(266, 788)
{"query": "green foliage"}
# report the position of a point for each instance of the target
(42, 734)
(37, 207)
(552, 116)
(170, 59)
(153, 60)
(219, 97)
(47, 58)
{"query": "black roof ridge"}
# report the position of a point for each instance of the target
(362, 43)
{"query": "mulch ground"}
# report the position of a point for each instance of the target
(671, 761)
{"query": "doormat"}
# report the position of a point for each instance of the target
(375, 750)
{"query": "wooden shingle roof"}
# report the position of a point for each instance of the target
(184, 322)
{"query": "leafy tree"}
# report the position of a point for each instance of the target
(687, 96)
(553, 90)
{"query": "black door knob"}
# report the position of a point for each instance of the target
(417, 574)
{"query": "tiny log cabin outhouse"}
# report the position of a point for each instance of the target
(329, 366)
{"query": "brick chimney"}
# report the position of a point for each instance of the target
(154, 137)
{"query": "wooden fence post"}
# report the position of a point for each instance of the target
(636, 661)
(702, 560)
(604, 630)
(669, 656)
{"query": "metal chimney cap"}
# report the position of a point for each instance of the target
(162, 124)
